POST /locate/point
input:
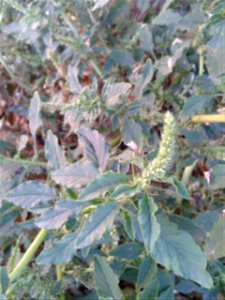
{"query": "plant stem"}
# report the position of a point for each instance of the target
(28, 255)
(59, 272)
(201, 62)
(219, 118)
(23, 161)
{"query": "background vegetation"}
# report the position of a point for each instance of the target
(104, 193)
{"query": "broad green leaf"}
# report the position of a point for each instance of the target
(133, 135)
(167, 294)
(188, 225)
(129, 225)
(127, 251)
(95, 147)
(206, 220)
(102, 184)
(217, 177)
(150, 228)
(146, 39)
(34, 116)
(176, 250)
(150, 291)
(125, 190)
(114, 91)
(53, 153)
(195, 105)
(30, 193)
(193, 19)
(76, 174)
(180, 187)
(74, 84)
(143, 79)
(215, 245)
(55, 217)
(100, 221)
(106, 280)
(4, 279)
(167, 17)
(146, 272)
(60, 252)
(7, 170)
(122, 57)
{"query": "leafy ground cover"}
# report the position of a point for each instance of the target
(112, 149)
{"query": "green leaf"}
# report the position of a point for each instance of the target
(167, 294)
(114, 91)
(7, 170)
(106, 280)
(127, 251)
(76, 174)
(150, 291)
(148, 223)
(189, 226)
(167, 17)
(55, 217)
(53, 153)
(176, 250)
(74, 84)
(61, 252)
(34, 116)
(125, 190)
(95, 147)
(129, 225)
(122, 57)
(102, 184)
(215, 245)
(217, 177)
(195, 105)
(146, 39)
(30, 193)
(4, 279)
(180, 187)
(96, 225)
(147, 271)
(143, 79)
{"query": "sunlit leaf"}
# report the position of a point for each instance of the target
(61, 252)
(55, 217)
(95, 147)
(76, 174)
(30, 193)
(100, 221)
(54, 154)
(102, 184)
(115, 90)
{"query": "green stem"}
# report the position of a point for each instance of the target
(201, 62)
(59, 272)
(28, 255)
(23, 161)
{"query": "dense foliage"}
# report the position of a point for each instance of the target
(110, 189)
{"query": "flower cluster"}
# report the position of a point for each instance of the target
(162, 163)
